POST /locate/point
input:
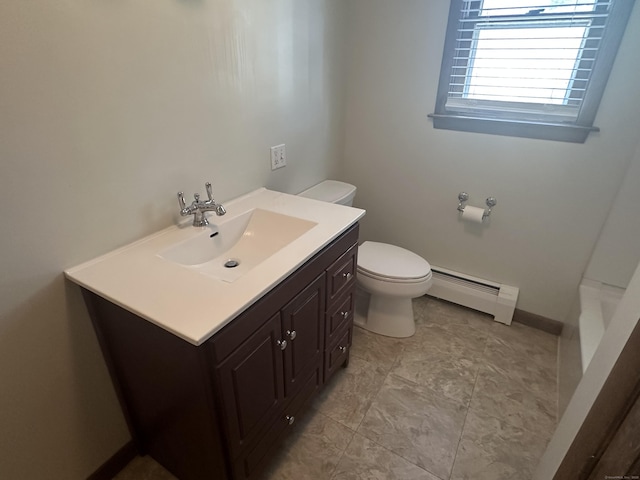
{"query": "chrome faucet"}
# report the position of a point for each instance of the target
(198, 208)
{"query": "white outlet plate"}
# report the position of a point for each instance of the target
(278, 157)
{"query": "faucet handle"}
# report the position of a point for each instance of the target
(181, 201)
(207, 186)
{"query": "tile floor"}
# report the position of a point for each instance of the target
(464, 398)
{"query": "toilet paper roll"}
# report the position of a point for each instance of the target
(473, 214)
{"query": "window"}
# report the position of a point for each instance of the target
(528, 68)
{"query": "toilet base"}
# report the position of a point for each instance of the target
(389, 316)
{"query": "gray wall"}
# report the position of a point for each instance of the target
(553, 197)
(618, 250)
(107, 109)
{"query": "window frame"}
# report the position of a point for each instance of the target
(503, 118)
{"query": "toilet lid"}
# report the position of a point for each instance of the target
(331, 191)
(390, 261)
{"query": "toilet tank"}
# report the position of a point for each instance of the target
(331, 191)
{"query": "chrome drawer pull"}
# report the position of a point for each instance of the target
(347, 275)
(290, 419)
(282, 344)
(291, 334)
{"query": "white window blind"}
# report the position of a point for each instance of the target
(528, 66)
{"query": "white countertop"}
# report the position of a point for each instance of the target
(188, 303)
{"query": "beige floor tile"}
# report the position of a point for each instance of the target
(447, 339)
(377, 349)
(453, 376)
(350, 392)
(518, 369)
(416, 423)
(365, 460)
(144, 468)
(506, 395)
(493, 449)
(538, 376)
(520, 334)
(520, 343)
(421, 308)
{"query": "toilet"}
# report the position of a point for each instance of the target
(388, 278)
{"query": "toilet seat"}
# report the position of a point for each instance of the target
(391, 263)
(382, 278)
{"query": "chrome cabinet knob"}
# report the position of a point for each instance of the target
(347, 275)
(342, 349)
(290, 419)
(282, 344)
(344, 314)
(291, 334)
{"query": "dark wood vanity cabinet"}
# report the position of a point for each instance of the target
(219, 410)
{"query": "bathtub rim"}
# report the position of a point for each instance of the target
(592, 321)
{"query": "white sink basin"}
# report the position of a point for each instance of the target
(212, 242)
(231, 248)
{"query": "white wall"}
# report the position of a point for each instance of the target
(618, 250)
(107, 109)
(553, 197)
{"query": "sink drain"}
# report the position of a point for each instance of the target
(231, 263)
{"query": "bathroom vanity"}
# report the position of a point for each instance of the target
(215, 402)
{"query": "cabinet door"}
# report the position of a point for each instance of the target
(303, 328)
(251, 382)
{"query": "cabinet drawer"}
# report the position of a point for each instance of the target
(340, 314)
(341, 275)
(258, 456)
(337, 354)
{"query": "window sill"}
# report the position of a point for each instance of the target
(513, 128)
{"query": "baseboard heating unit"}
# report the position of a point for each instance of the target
(493, 298)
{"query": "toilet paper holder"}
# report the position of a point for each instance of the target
(463, 197)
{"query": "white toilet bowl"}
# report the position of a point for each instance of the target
(388, 277)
